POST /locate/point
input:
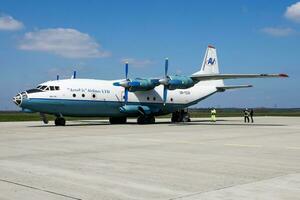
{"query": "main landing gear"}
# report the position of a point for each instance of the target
(60, 121)
(117, 120)
(180, 116)
(146, 119)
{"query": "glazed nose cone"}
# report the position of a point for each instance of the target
(17, 99)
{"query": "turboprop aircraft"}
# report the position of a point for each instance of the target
(143, 98)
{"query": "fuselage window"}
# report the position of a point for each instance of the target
(171, 99)
(52, 88)
(83, 95)
(74, 95)
(43, 87)
(56, 87)
(154, 98)
(148, 98)
(94, 96)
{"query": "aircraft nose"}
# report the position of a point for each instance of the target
(17, 99)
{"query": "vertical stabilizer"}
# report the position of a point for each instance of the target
(210, 65)
(210, 62)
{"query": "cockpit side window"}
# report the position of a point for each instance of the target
(47, 88)
(52, 88)
(56, 87)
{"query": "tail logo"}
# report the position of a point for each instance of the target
(211, 61)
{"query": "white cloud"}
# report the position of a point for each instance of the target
(136, 62)
(293, 12)
(278, 32)
(69, 43)
(8, 23)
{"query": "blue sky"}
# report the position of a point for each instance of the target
(40, 39)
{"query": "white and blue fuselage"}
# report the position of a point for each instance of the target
(100, 98)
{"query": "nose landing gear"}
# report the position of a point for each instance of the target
(60, 121)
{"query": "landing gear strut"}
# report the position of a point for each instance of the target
(146, 119)
(117, 120)
(60, 121)
(180, 116)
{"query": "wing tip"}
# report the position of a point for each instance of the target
(283, 75)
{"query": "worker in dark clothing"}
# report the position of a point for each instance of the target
(251, 115)
(246, 115)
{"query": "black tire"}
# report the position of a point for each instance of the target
(60, 121)
(117, 120)
(141, 119)
(146, 119)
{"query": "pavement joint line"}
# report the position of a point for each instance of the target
(293, 148)
(244, 145)
(229, 186)
(39, 189)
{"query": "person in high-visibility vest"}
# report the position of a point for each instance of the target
(213, 113)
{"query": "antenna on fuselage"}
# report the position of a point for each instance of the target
(57, 77)
(74, 75)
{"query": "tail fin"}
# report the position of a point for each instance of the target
(210, 62)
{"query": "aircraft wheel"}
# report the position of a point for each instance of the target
(145, 119)
(60, 121)
(117, 120)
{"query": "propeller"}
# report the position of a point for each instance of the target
(165, 81)
(125, 83)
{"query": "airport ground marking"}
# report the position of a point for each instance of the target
(244, 145)
(293, 148)
(39, 189)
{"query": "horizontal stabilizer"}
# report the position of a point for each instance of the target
(205, 77)
(228, 87)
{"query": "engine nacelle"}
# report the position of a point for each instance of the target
(180, 82)
(135, 109)
(142, 84)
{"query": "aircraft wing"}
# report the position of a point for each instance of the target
(205, 77)
(228, 87)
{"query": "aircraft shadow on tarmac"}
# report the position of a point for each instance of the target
(194, 122)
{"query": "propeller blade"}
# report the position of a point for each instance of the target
(165, 81)
(165, 93)
(126, 96)
(166, 67)
(126, 70)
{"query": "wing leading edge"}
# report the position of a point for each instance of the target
(205, 77)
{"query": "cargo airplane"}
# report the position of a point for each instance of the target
(143, 98)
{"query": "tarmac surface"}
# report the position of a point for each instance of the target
(198, 160)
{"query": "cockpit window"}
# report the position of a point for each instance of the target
(47, 88)
(43, 87)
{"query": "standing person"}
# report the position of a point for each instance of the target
(213, 113)
(251, 115)
(246, 115)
